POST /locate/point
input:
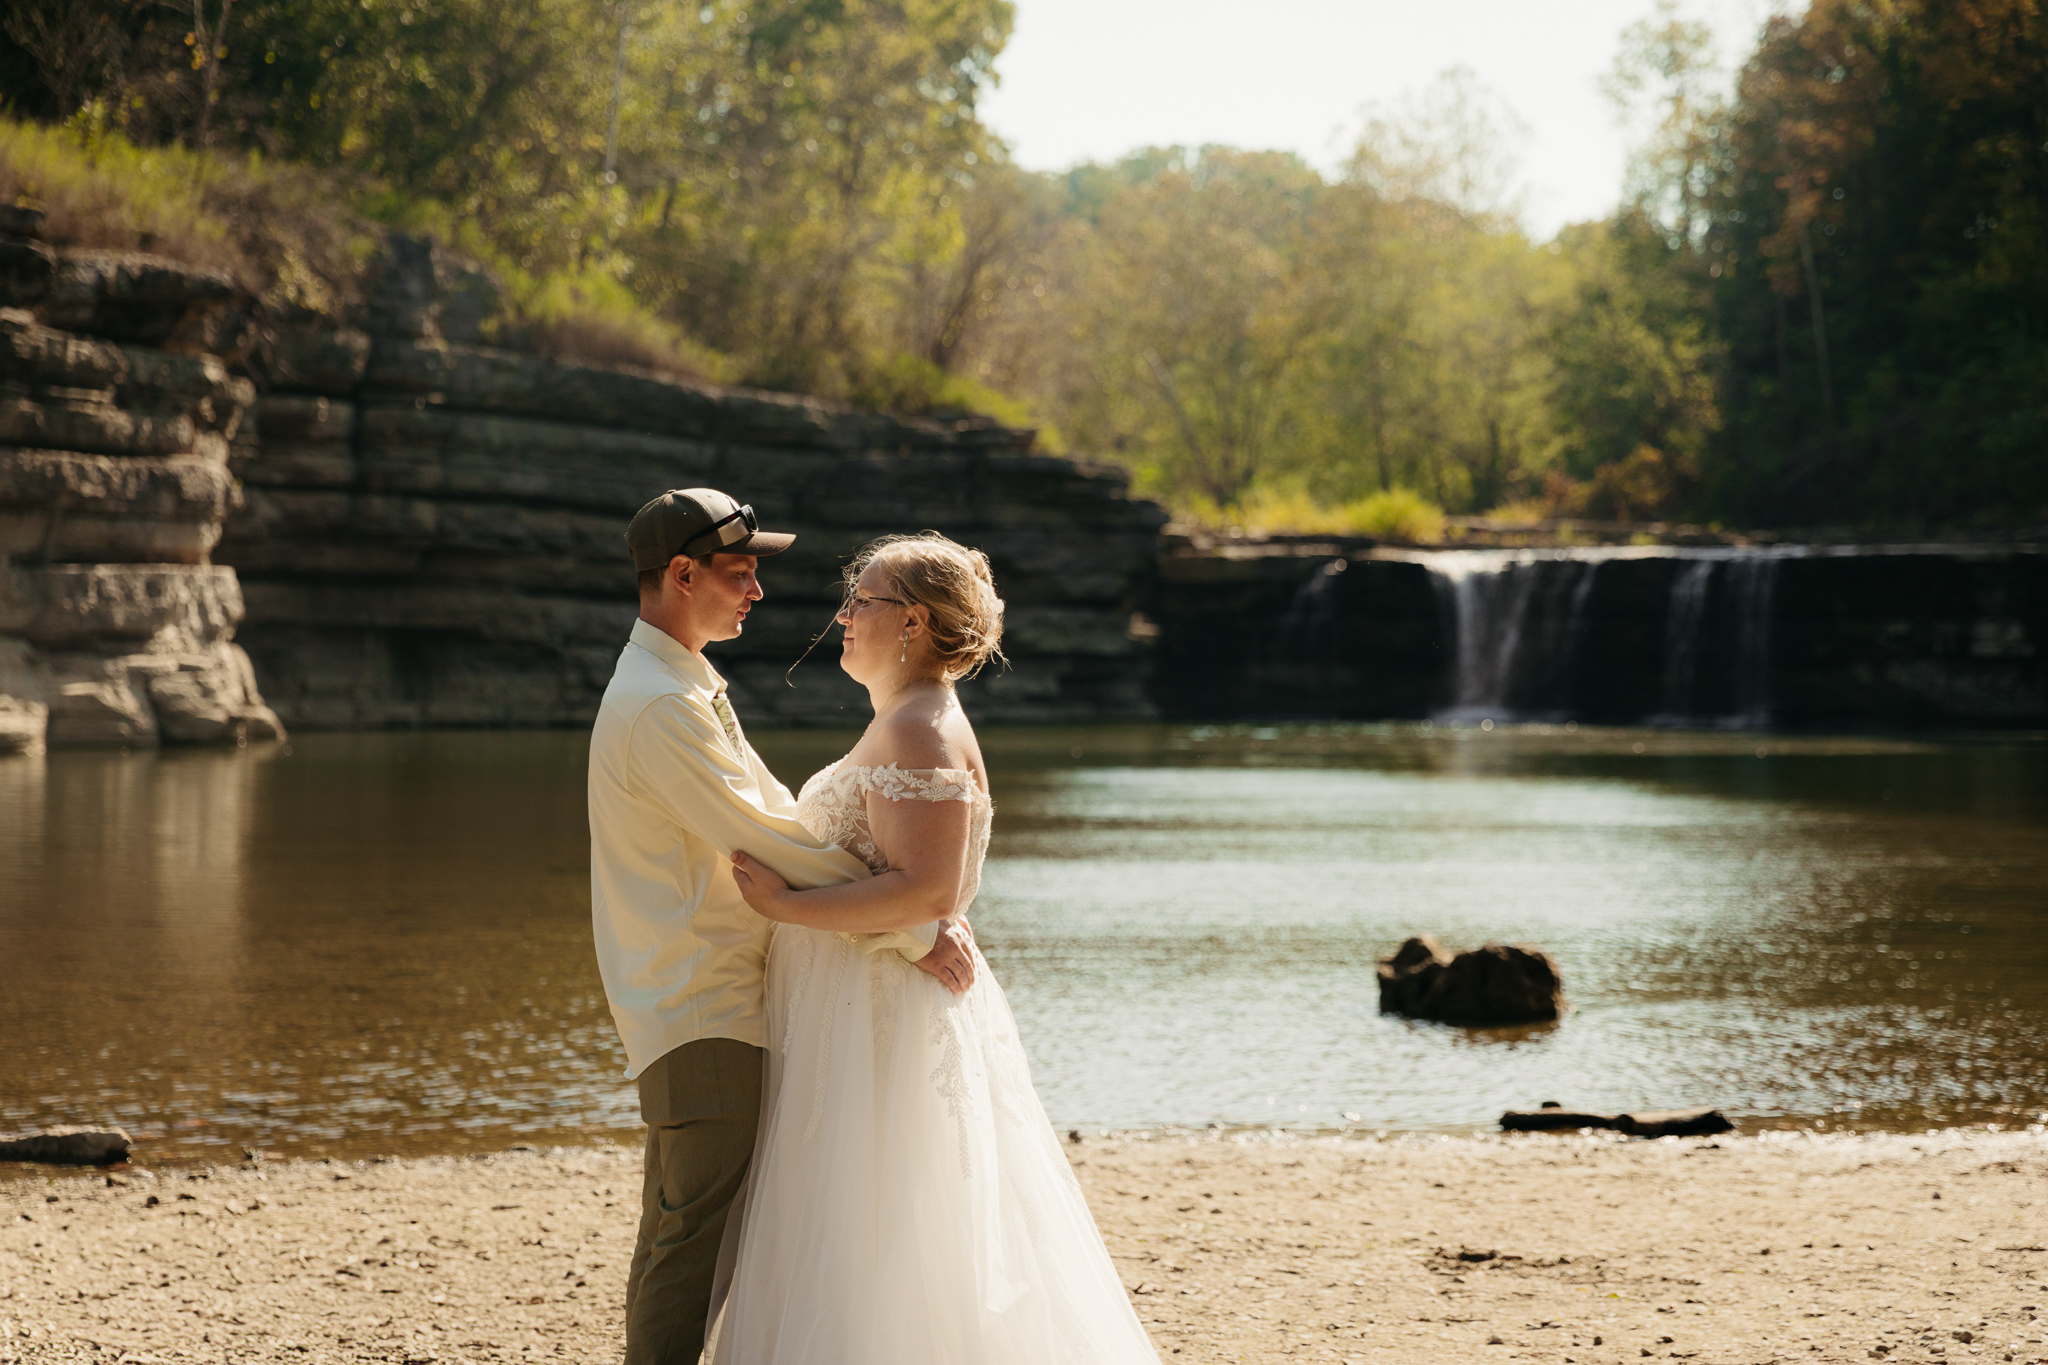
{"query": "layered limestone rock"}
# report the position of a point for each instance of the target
(1295, 627)
(115, 422)
(432, 528)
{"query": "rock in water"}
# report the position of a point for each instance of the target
(1497, 984)
(69, 1147)
(1407, 977)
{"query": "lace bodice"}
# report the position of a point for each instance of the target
(833, 805)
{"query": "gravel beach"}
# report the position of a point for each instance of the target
(1580, 1249)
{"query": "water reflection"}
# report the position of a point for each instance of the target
(380, 943)
(362, 944)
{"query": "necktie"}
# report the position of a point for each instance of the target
(729, 721)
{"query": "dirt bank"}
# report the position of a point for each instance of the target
(1541, 1248)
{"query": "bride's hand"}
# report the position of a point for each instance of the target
(760, 886)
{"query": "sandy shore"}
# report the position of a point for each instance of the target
(1539, 1248)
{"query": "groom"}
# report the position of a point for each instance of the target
(674, 789)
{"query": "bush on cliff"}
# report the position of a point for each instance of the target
(1397, 514)
(916, 387)
(276, 228)
(583, 316)
(299, 238)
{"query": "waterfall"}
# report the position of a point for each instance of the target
(1517, 617)
(1684, 623)
(1752, 592)
(1741, 668)
(1491, 608)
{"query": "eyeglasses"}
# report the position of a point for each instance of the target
(748, 524)
(860, 601)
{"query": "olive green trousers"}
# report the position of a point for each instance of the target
(702, 1105)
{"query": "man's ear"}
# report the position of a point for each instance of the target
(680, 570)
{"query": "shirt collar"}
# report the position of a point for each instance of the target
(694, 667)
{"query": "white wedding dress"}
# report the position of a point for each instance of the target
(909, 1203)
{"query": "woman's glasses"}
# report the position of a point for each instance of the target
(860, 601)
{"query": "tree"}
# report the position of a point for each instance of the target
(57, 54)
(1884, 171)
(1200, 308)
(1636, 364)
(1665, 76)
(1434, 374)
(793, 161)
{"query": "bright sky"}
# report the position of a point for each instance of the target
(1090, 80)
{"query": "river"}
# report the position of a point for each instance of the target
(379, 944)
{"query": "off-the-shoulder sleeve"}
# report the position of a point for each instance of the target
(911, 784)
(919, 784)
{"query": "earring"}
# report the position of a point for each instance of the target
(903, 657)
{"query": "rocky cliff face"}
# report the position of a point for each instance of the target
(1296, 627)
(432, 528)
(115, 421)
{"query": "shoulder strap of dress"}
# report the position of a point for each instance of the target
(919, 784)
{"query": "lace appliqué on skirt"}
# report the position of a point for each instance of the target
(950, 1075)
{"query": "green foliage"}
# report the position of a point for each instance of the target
(587, 317)
(1396, 514)
(1823, 301)
(1634, 364)
(98, 190)
(1199, 299)
(915, 386)
(799, 195)
(1238, 322)
(278, 230)
(1867, 221)
(799, 170)
(274, 227)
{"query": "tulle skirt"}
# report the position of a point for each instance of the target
(909, 1203)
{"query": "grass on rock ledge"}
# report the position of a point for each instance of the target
(298, 238)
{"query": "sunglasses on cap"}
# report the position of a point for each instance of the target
(734, 526)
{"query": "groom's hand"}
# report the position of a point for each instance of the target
(950, 959)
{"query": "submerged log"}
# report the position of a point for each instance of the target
(69, 1147)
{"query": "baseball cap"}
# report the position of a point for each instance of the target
(697, 521)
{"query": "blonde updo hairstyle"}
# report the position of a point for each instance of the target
(954, 586)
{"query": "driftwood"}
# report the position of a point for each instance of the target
(69, 1147)
(1702, 1122)
(1551, 1118)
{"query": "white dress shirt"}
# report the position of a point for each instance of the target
(674, 789)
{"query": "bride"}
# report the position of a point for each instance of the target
(909, 1203)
